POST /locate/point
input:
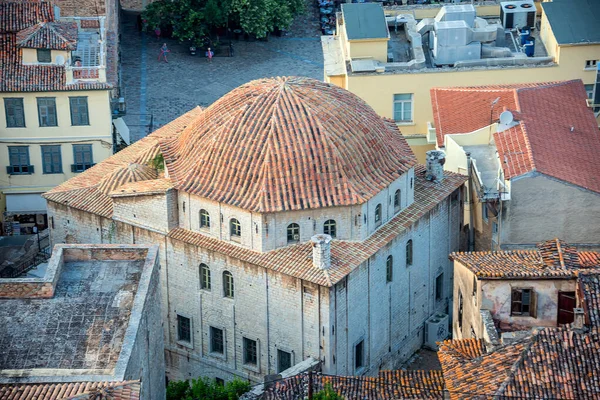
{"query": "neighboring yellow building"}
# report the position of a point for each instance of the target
(457, 48)
(55, 113)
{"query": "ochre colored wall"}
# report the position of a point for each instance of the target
(376, 49)
(30, 55)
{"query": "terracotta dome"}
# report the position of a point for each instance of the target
(130, 173)
(287, 144)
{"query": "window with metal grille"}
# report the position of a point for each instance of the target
(378, 214)
(184, 329)
(523, 303)
(15, 113)
(329, 228)
(47, 111)
(51, 159)
(235, 229)
(359, 355)
(389, 269)
(293, 233)
(44, 55)
(228, 287)
(82, 154)
(403, 105)
(250, 351)
(439, 287)
(409, 252)
(397, 199)
(204, 277)
(284, 360)
(79, 111)
(216, 340)
(204, 219)
(19, 161)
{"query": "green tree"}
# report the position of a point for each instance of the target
(205, 388)
(327, 394)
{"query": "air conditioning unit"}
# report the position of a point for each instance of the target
(436, 330)
(517, 14)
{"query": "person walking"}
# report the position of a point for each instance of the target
(209, 55)
(163, 52)
(230, 49)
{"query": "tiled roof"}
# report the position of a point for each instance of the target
(551, 259)
(49, 35)
(589, 286)
(17, 16)
(557, 134)
(129, 390)
(127, 174)
(156, 186)
(388, 385)
(287, 144)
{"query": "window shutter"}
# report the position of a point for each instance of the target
(515, 295)
(533, 304)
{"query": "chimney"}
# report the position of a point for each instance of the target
(435, 165)
(321, 251)
(579, 320)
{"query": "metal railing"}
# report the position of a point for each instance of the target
(26, 264)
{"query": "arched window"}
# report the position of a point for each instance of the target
(228, 288)
(378, 213)
(204, 219)
(329, 228)
(235, 229)
(397, 199)
(293, 233)
(409, 252)
(389, 269)
(204, 277)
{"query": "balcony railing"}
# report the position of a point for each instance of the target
(82, 73)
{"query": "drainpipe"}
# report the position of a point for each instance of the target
(470, 202)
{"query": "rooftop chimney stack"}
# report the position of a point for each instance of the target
(579, 320)
(321, 251)
(435, 165)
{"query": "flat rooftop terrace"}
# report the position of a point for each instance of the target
(81, 327)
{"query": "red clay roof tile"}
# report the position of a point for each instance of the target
(49, 35)
(128, 390)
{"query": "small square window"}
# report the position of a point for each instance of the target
(403, 107)
(250, 352)
(217, 342)
(591, 64)
(184, 329)
(284, 360)
(44, 55)
(523, 302)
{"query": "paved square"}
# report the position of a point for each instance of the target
(168, 90)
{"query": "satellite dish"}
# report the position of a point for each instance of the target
(506, 118)
(60, 60)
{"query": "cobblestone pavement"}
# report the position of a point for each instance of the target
(167, 90)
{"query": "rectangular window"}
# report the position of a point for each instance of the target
(52, 160)
(403, 106)
(523, 302)
(284, 360)
(484, 211)
(475, 289)
(460, 309)
(439, 287)
(79, 111)
(591, 64)
(19, 161)
(216, 340)
(15, 113)
(250, 352)
(44, 55)
(82, 154)
(589, 89)
(184, 329)
(359, 355)
(47, 111)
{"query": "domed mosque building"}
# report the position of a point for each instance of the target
(294, 224)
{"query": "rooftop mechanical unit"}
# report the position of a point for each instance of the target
(436, 330)
(517, 14)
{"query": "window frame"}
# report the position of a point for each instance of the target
(409, 253)
(292, 230)
(389, 269)
(50, 111)
(7, 101)
(402, 104)
(531, 304)
(378, 214)
(291, 355)
(397, 200)
(212, 330)
(51, 150)
(228, 285)
(19, 168)
(87, 112)
(330, 228)
(83, 166)
(235, 228)
(204, 219)
(359, 359)
(245, 352)
(205, 281)
(46, 54)
(590, 65)
(181, 341)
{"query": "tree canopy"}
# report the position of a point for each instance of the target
(194, 19)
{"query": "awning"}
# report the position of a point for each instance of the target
(25, 203)
(122, 129)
